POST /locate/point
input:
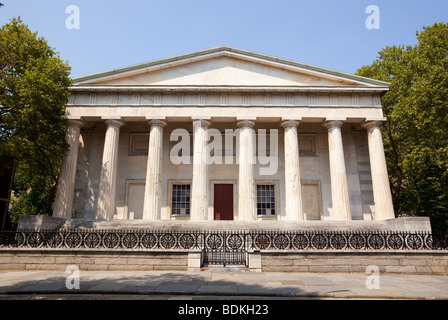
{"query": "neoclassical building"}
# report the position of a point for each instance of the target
(224, 134)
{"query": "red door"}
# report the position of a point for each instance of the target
(223, 201)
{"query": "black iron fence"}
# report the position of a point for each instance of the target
(226, 248)
(220, 247)
(103, 239)
(346, 241)
(221, 240)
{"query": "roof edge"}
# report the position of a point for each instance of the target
(261, 56)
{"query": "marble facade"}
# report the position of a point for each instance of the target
(330, 163)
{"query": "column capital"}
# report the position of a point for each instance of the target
(245, 123)
(76, 122)
(370, 124)
(290, 123)
(201, 123)
(332, 123)
(114, 123)
(157, 123)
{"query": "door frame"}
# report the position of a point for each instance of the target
(318, 184)
(129, 182)
(212, 197)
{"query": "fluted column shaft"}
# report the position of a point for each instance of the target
(247, 191)
(108, 178)
(66, 183)
(199, 188)
(382, 195)
(293, 188)
(153, 186)
(339, 187)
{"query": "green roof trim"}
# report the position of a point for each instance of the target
(197, 54)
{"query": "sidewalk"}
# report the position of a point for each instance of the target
(216, 283)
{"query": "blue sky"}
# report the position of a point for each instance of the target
(325, 33)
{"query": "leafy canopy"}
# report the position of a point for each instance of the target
(34, 85)
(416, 133)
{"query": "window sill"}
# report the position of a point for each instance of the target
(261, 217)
(180, 217)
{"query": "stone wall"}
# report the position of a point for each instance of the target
(319, 261)
(389, 262)
(104, 260)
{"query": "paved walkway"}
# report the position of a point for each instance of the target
(218, 284)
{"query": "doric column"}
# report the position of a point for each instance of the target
(199, 188)
(382, 196)
(106, 198)
(64, 196)
(153, 186)
(247, 191)
(293, 187)
(339, 187)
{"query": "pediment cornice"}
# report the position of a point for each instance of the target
(263, 68)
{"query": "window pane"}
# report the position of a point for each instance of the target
(180, 199)
(265, 199)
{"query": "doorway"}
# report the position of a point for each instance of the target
(134, 199)
(223, 201)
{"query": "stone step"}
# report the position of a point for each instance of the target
(409, 224)
(226, 269)
(403, 224)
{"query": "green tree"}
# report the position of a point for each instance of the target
(34, 85)
(416, 133)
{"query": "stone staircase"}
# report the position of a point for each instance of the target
(405, 224)
(410, 224)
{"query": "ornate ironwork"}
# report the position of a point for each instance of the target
(344, 241)
(221, 240)
(226, 248)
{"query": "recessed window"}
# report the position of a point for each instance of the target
(180, 199)
(307, 145)
(138, 144)
(266, 200)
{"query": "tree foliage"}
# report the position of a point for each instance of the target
(33, 90)
(416, 133)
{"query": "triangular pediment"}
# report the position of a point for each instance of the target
(224, 66)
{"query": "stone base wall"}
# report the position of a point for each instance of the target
(319, 261)
(101, 260)
(393, 262)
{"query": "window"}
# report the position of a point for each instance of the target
(180, 199)
(307, 145)
(138, 144)
(266, 199)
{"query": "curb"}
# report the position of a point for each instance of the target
(223, 294)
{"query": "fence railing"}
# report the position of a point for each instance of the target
(221, 240)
